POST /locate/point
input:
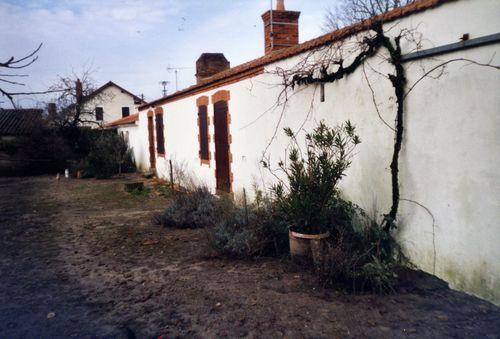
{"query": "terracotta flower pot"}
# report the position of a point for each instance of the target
(301, 244)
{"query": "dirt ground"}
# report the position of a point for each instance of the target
(83, 258)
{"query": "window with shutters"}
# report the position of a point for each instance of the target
(125, 112)
(99, 114)
(204, 136)
(160, 139)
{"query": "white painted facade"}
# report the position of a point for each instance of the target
(449, 161)
(137, 145)
(111, 99)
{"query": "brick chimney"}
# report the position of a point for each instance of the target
(210, 64)
(78, 91)
(281, 28)
(51, 110)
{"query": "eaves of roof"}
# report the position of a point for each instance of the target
(131, 119)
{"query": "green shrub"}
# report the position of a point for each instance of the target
(312, 175)
(10, 146)
(355, 257)
(109, 155)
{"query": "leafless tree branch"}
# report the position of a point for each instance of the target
(348, 12)
(441, 67)
(13, 63)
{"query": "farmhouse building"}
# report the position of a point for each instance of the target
(221, 127)
(109, 103)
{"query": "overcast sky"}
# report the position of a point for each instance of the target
(132, 42)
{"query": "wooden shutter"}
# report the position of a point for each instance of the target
(151, 138)
(203, 125)
(222, 158)
(160, 140)
(99, 114)
(125, 112)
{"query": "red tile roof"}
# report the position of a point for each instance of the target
(247, 68)
(131, 119)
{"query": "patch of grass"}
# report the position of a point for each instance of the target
(140, 191)
(111, 195)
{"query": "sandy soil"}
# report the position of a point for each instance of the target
(83, 258)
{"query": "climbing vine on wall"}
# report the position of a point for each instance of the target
(321, 72)
(329, 65)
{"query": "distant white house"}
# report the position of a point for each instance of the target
(220, 127)
(108, 103)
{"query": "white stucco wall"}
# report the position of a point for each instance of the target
(449, 161)
(138, 145)
(111, 99)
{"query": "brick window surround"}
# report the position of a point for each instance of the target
(203, 129)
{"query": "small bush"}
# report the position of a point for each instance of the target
(312, 175)
(355, 257)
(250, 233)
(164, 191)
(184, 177)
(9, 146)
(109, 155)
(195, 209)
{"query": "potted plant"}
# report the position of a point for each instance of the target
(310, 187)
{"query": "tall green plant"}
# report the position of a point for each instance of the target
(313, 174)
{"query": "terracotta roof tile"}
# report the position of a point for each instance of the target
(131, 119)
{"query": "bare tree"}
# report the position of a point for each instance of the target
(73, 107)
(348, 12)
(9, 75)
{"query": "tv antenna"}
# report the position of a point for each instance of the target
(176, 71)
(164, 83)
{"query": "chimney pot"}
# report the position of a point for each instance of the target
(280, 6)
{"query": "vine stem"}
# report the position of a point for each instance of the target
(398, 80)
